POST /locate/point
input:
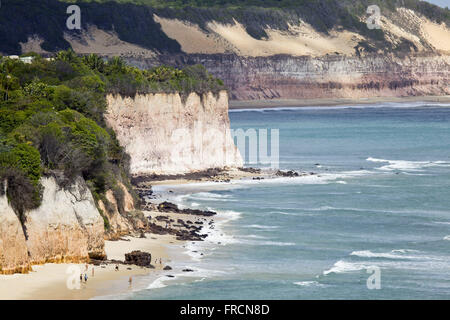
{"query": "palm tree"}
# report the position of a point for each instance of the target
(94, 62)
(68, 55)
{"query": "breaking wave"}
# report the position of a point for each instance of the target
(406, 165)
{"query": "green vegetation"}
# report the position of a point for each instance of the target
(133, 20)
(51, 119)
(46, 19)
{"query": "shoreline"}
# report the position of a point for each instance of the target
(49, 281)
(330, 102)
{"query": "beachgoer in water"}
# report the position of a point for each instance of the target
(117, 267)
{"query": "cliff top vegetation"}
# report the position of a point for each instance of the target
(133, 20)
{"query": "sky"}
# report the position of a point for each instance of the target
(442, 3)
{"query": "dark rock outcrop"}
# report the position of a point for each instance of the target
(170, 207)
(139, 258)
(289, 173)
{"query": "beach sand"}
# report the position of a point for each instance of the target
(49, 281)
(225, 176)
(261, 104)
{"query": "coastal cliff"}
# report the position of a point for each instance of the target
(272, 50)
(65, 166)
(333, 76)
(66, 227)
(166, 134)
(13, 248)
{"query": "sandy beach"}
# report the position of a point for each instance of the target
(261, 104)
(225, 176)
(50, 281)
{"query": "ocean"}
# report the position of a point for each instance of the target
(377, 211)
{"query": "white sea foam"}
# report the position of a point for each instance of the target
(284, 213)
(404, 250)
(215, 236)
(447, 238)
(309, 284)
(208, 196)
(253, 236)
(276, 243)
(441, 222)
(344, 266)
(268, 243)
(199, 272)
(258, 226)
(394, 254)
(405, 165)
(407, 259)
(158, 283)
(228, 215)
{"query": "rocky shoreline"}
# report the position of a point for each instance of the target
(187, 224)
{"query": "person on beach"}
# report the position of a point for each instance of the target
(92, 271)
(117, 267)
(85, 277)
(130, 281)
(81, 277)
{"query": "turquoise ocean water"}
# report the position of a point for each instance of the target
(381, 198)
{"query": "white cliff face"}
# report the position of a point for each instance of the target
(118, 224)
(66, 227)
(164, 135)
(13, 248)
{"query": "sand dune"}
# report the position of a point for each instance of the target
(102, 42)
(437, 35)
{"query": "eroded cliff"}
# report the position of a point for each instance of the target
(168, 134)
(66, 227)
(334, 76)
(13, 248)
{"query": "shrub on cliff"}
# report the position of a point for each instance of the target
(131, 80)
(20, 168)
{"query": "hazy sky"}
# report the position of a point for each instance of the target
(442, 3)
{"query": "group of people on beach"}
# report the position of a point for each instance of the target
(85, 275)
